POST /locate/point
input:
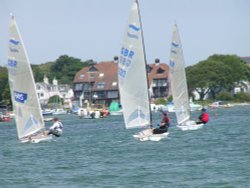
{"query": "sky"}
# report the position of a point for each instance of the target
(93, 29)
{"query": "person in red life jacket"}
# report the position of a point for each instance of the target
(204, 117)
(163, 127)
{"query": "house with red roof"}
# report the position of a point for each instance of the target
(98, 83)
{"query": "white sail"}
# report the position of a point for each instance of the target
(25, 102)
(178, 79)
(132, 74)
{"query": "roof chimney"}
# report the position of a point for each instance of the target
(116, 59)
(157, 61)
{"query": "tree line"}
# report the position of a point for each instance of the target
(217, 75)
(63, 69)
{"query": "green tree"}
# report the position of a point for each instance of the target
(224, 96)
(217, 73)
(242, 97)
(65, 68)
(4, 87)
(160, 101)
(238, 68)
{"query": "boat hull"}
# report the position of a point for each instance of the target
(147, 135)
(189, 125)
(37, 139)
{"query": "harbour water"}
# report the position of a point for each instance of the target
(102, 153)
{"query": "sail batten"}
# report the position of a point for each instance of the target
(25, 102)
(132, 76)
(178, 79)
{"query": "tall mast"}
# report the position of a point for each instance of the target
(144, 53)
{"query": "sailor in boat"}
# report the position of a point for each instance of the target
(163, 127)
(56, 129)
(204, 117)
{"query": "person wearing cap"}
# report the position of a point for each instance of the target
(163, 127)
(56, 128)
(204, 117)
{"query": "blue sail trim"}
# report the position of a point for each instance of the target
(20, 97)
(12, 63)
(171, 63)
(131, 26)
(175, 44)
(13, 41)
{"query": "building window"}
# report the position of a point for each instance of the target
(112, 94)
(100, 85)
(86, 86)
(82, 76)
(100, 94)
(78, 87)
(101, 74)
(160, 83)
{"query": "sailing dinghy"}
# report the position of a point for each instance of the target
(179, 85)
(133, 82)
(28, 115)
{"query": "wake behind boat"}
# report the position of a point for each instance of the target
(28, 115)
(179, 85)
(135, 94)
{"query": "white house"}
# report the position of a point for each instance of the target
(45, 90)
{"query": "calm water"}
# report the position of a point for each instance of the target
(101, 153)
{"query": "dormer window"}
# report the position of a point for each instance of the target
(114, 83)
(160, 71)
(92, 69)
(82, 76)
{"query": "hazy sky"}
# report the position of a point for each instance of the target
(93, 29)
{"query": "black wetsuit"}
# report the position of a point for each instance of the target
(163, 128)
